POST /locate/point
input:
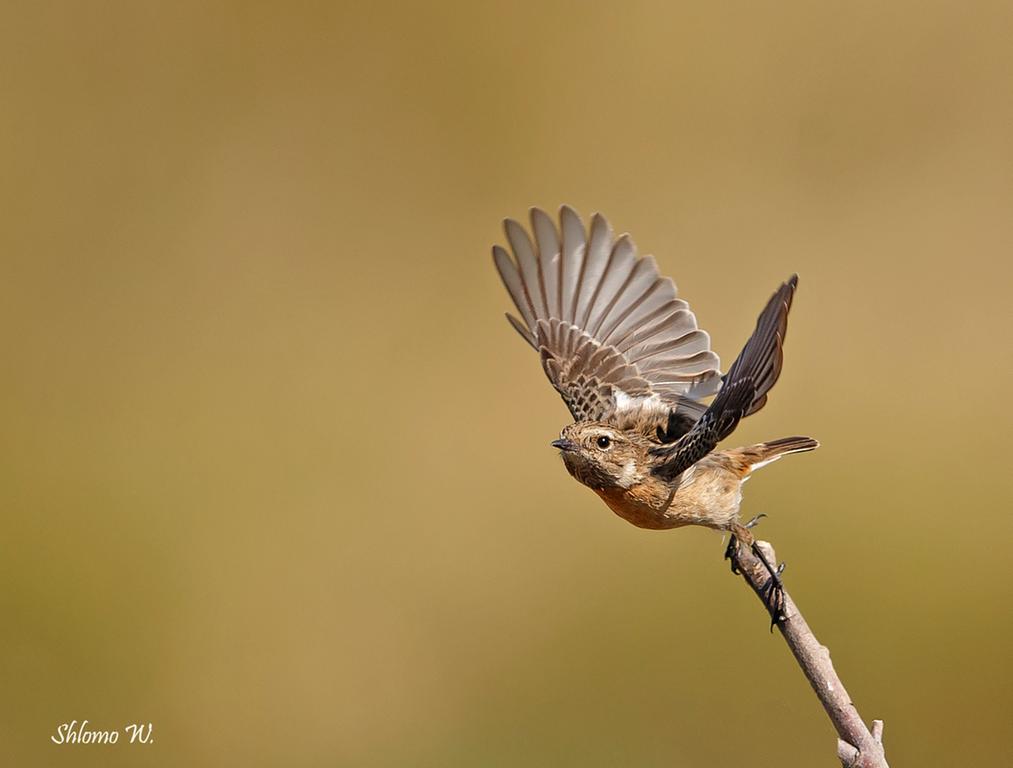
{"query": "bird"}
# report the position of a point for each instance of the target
(635, 371)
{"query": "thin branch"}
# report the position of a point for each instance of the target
(857, 746)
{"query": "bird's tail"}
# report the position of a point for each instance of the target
(761, 454)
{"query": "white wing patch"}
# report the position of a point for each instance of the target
(623, 401)
(635, 403)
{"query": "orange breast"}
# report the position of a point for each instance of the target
(638, 506)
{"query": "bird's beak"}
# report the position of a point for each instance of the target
(564, 445)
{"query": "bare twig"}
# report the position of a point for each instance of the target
(857, 746)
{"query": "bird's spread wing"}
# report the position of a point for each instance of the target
(744, 390)
(612, 334)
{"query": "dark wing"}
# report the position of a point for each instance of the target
(743, 392)
(612, 334)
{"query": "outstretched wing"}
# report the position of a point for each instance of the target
(613, 336)
(743, 392)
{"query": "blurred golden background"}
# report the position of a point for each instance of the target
(275, 470)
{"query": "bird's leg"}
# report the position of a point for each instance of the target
(773, 590)
(732, 550)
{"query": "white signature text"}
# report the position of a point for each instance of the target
(79, 733)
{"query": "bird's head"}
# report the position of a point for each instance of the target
(601, 456)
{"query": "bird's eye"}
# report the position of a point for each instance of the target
(603, 442)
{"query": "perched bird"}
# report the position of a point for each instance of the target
(634, 369)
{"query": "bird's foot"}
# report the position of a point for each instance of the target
(755, 520)
(732, 553)
(773, 591)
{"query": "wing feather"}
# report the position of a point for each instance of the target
(549, 259)
(530, 271)
(658, 295)
(574, 245)
(515, 287)
(617, 273)
(664, 323)
(599, 249)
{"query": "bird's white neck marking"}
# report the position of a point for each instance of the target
(628, 475)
